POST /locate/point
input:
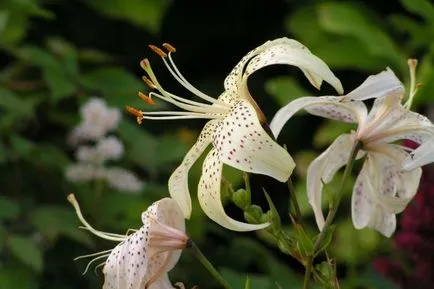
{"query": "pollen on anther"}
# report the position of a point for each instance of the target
(148, 82)
(146, 98)
(144, 64)
(169, 47)
(157, 50)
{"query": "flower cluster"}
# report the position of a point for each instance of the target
(239, 136)
(97, 121)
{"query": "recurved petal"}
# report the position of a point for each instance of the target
(241, 142)
(291, 52)
(209, 195)
(423, 155)
(178, 181)
(280, 51)
(377, 86)
(323, 169)
(326, 106)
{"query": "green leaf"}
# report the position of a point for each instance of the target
(26, 251)
(22, 147)
(9, 209)
(329, 131)
(39, 57)
(284, 89)
(247, 284)
(338, 52)
(347, 20)
(238, 280)
(117, 84)
(17, 278)
(304, 241)
(55, 221)
(328, 236)
(423, 8)
(59, 84)
(16, 105)
(133, 11)
(275, 218)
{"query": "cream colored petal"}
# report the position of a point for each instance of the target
(383, 222)
(423, 155)
(162, 283)
(326, 106)
(323, 169)
(361, 204)
(290, 52)
(178, 181)
(241, 142)
(377, 86)
(127, 264)
(167, 212)
(209, 195)
(280, 51)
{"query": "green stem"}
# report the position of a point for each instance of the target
(294, 200)
(207, 264)
(332, 211)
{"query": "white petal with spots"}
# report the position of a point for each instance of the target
(178, 181)
(361, 204)
(423, 155)
(241, 142)
(279, 51)
(377, 86)
(326, 106)
(209, 195)
(323, 169)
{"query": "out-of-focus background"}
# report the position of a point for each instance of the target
(67, 70)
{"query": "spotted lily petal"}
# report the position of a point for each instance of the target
(322, 170)
(178, 181)
(423, 155)
(377, 86)
(209, 195)
(242, 143)
(327, 106)
(281, 51)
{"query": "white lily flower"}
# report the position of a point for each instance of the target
(235, 129)
(382, 188)
(143, 258)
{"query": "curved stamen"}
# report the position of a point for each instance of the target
(188, 107)
(92, 261)
(71, 198)
(181, 79)
(92, 255)
(178, 117)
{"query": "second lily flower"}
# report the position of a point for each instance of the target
(236, 127)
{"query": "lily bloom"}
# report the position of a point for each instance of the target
(236, 124)
(382, 188)
(143, 258)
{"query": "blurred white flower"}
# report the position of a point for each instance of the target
(123, 180)
(86, 154)
(110, 148)
(97, 120)
(83, 172)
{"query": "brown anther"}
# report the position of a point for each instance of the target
(158, 50)
(419, 85)
(144, 64)
(146, 98)
(137, 113)
(169, 47)
(149, 82)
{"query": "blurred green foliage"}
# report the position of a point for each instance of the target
(48, 72)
